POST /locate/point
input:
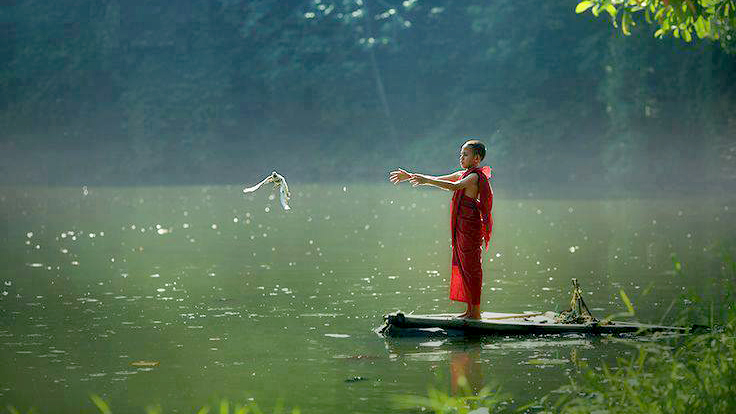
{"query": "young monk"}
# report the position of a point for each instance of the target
(470, 220)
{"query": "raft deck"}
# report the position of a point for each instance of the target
(398, 324)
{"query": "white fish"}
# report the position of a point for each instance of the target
(279, 182)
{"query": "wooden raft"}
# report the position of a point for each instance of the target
(399, 324)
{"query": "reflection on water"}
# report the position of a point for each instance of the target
(466, 370)
(177, 295)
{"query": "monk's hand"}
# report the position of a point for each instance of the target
(398, 176)
(417, 179)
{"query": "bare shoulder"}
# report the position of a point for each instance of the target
(470, 180)
(473, 177)
(453, 176)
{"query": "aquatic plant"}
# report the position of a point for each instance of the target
(489, 399)
(683, 374)
(224, 406)
(699, 375)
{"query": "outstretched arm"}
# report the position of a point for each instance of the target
(421, 179)
(456, 176)
(400, 175)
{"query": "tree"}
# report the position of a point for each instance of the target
(706, 19)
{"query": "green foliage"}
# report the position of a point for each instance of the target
(698, 375)
(671, 374)
(440, 402)
(706, 19)
(100, 404)
(630, 312)
(224, 406)
(13, 410)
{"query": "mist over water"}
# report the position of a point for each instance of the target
(224, 92)
(176, 295)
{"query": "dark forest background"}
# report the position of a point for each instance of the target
(140, 92)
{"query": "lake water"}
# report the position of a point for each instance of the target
(233, 297)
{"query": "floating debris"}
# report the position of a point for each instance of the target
(145, 363)
(356, 379)
(338, 335)
(547, 361)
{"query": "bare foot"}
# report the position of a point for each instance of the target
(473, 312)
(473, 315)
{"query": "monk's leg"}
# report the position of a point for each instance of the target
(466, 314)
(473, 311)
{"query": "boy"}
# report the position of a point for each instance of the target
(470, 221)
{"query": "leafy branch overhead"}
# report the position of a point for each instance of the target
(706, 19)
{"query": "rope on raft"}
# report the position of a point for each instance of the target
(578, 312)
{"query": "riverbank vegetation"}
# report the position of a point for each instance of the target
(683, 19)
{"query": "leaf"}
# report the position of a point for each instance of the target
(686, 35)
(677, 264)
(625, 22)
(610, 9)
(100, 403)
(204, 410)
(659, 15)
(154, 409)
(627, 302)
(596, 10)
(700, 27)
(583, 6)
(659, 33)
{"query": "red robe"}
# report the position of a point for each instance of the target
(471, 224)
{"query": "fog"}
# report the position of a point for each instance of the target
(142, 93)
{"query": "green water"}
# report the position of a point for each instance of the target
(235, 298)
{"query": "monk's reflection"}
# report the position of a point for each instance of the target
(466, 370)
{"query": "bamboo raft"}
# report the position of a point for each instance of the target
(577, 319)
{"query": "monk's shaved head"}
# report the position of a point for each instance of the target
(477, 147)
